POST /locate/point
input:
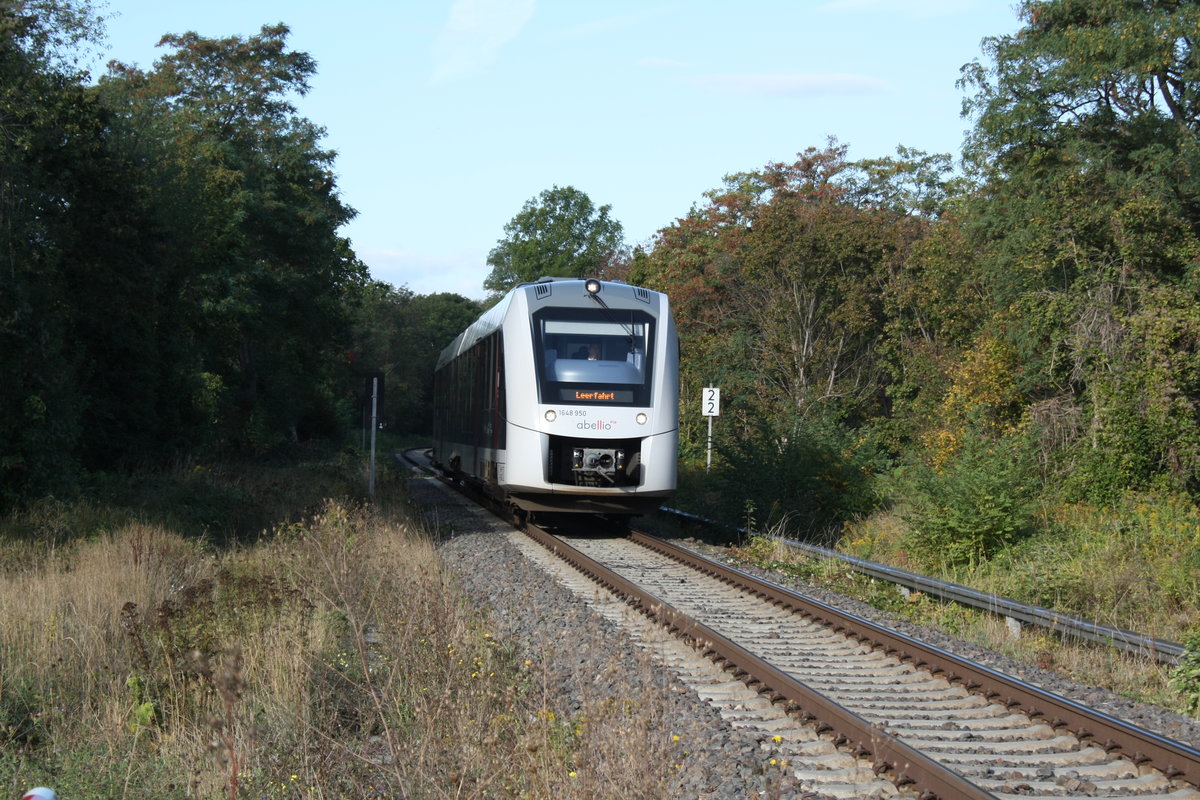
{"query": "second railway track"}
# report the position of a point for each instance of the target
(927, 720)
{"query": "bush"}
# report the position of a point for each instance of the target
(807, 475)
(1185, 678)
(979, 500)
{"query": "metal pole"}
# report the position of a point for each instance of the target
(374, 411)
(708, 465)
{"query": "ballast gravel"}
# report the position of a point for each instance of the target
(1152, 718)
(558, 630)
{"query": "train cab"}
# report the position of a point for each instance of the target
(564, 398)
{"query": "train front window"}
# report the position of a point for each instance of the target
(594, 356)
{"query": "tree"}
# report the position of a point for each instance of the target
(248, 195)
(1104, 86)
(50, 134)
(401, 335)
(814, 269)
(1086, 232)
(559, 233)
(778, 285)
(173, 277)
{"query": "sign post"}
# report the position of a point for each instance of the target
(710, 406)
(374, 425)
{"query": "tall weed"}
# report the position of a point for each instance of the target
(1185, 677)
(331, 657)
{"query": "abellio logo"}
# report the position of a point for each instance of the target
(598, 425)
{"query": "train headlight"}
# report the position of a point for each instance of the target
(642, 419)
(551, 415)
(592, 286)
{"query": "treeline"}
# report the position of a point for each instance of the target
(172, 278)
(971, 344)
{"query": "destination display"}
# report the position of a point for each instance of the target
(593, 395)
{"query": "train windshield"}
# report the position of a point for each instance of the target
(594, 356)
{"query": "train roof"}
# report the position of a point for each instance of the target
(488, 322)
(492, 319)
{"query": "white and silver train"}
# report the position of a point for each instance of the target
(564, 397)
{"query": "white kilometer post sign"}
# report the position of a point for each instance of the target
(710, 405)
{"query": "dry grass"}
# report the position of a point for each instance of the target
(333, 658)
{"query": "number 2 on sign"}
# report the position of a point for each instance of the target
(711, 403)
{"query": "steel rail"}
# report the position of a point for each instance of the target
(906, 765)
(1174, 759)
(1163, 651)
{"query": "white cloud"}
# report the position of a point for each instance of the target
(475, 33)
(795, 84)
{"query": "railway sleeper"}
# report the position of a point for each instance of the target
(783, 726)
(828, 649)
(851, 695)
(1074, 787)
(991, 722)
(829, 660)
(914, 709)
(807, 752)
(1013, 734)
(1053, 744)
(852, 670)
(1077, 781)
(845, 782)
(981, 711)
(1119, 769)
(1067, 758)
(726, 690)
(907, 682)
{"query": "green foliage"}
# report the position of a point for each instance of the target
(809, 284)
(1185, 677)
(176, 285)
(401, 335)
(174, 279)
(806, 477)
(1092, 80)
(559, 233)
(49, 127)
(1143, 377)
(975, 503)
(778, 282)
(914, 183)
(20, 717)
(1154, 535)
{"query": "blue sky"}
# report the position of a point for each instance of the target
(448, 115)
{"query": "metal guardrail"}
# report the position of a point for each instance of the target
(1020, 614)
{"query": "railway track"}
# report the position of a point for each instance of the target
(1015, 614)
(854, 710)
(933, 724)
